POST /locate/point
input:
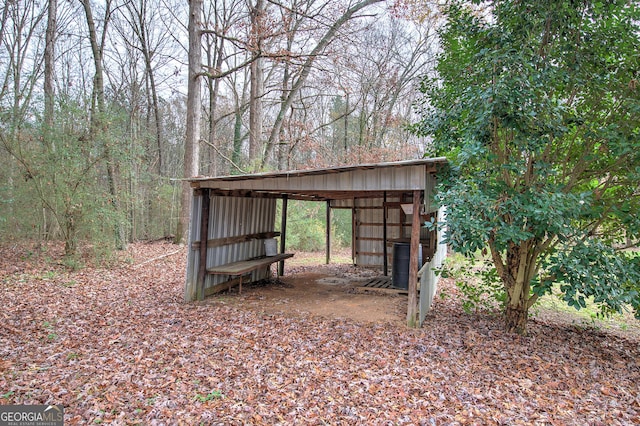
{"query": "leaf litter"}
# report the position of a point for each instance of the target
(117, 344)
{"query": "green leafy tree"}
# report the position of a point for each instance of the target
(67, 179)
(537, 107)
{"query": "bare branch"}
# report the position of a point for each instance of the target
(223, 156)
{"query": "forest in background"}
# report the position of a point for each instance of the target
(94, 98)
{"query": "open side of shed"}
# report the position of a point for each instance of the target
(232, 216)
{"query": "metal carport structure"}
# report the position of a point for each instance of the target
(231, 216)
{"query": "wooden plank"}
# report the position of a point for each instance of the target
(354, 233)
(413, 320)
(380, 284)
(219, 242)
(244, 266)
(221, 287)
(204, 231)
(385, 254)
(370, 253)
(379, 224)
(424, 242)
(369, 239)
(283, 227)
(328, 234)
(382, 290)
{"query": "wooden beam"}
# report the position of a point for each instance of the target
(328, 236)
(370, 253)
(370, 239)
(394, 291)
(221, 287)
(354, 233)
(204, 232)
(283, 234)
(413, 319)
(371, 207)
(244, 266)
(219, 242)
(385, 260)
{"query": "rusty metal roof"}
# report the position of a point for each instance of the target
(357, 181)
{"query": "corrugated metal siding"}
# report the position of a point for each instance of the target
(342, 204)
(393, 219)
(229, 217)
(369, 237)
(369, 232)
(404, 177)
(234, 217)
(193, 258)
(429, 279)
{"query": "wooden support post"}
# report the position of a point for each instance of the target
(328, 239)
(413, 313)
(204, 235)
(354, 232)
(283, 234)
(385, 254)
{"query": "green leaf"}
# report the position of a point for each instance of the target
(534, 106)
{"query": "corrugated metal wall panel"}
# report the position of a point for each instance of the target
(229, 217)
(401, 178)
(429, 279)
(193, 258)
(342, 204)
(369, 232)
(237, 216)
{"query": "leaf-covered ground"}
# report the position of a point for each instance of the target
(118, 345)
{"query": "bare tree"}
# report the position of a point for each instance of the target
(20, 68)
(306, 70)
(140, 17)
(275, 71)
(98, 108)
(284, 40)
(194, 113)
(222, 15)
(257, 80)
(23, 66)
(49, 56)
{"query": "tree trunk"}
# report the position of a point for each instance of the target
(291, 29)
(517, 273)
(71, 232)
(194, 113)
(49, 55)
(49, 102)
(257, 87)
(516, 319)
(236, 155)
(214, 89)
(154, 98)
(98, 125)
(346, 124)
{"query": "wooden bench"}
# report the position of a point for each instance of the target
(245, 266)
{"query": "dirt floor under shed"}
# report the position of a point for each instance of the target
(310, 287)
(331, 291)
